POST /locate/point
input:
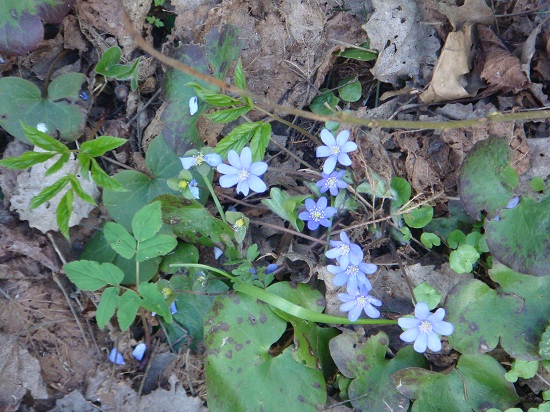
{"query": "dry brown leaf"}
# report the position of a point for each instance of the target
(471, 12)
(448, 82)
(502, 70)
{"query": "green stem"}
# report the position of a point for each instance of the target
(215, 198)
(285, 305)
(137, 272)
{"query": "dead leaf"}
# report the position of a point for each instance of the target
(19, 373)
(404, 44)
(448, 81)
(471, 12)
(502, 70)
(74, 401)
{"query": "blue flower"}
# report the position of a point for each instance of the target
(213, 159)
(217, 252)
(173, 308)
(193, 188)
(242, 172)
(193, 105)
(336, 150)
(358, 300)
(344, 251)
(116, 357)
(352, 275)
(424, 329)
(332, 182)
(513, 202)
(272, 267)
(317, 213)
(139, 351)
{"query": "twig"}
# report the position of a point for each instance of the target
(284, 229)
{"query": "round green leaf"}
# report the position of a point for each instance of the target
(324, 103)
(462, 260)
(430, 239)
(420, 217)
(427, 294)
(349, 89)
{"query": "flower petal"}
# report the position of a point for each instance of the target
(408, 323)
(344, 159)
(344, 238)
(421, 343)
(188, 162)
(323, 151)
(434, 343)
(227, 170)
(310, 203)
(139, 351)
(246, 158)
(344, 297)
(348, 305)
(340, 279)
(330, 164)
(421, 311)
(193, 107)
(343, 260)
(409, 335)
(325, 222)
(342, 137)
(328, 138)
(257, 168)
(437, 316)
(443, 328)
(243, 187)
(228, 180)
(330, 211)
(348, 147)
(256, 184)
(234, 159)
(213, 159)
(312, 225)
(333, 253)
(368, 268)
(322, 202)
(354, 313)
(116, 357)
(304, 216)
(371, 312)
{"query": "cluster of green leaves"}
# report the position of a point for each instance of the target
(109, 66)
(88, 166)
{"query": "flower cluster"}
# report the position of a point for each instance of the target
(242, 172)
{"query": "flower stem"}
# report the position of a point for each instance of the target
(215, 198)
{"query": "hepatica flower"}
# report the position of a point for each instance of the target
(116, 357)
(424, 329)
(317, 213)
(345, 252)
(332, 182)
(358, 300)
(212, 159)
(242, 172)
(352, 275)
(336, 149)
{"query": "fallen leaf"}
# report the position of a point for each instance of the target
(471, 12)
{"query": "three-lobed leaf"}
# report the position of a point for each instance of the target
(90, 276)
(120, 239)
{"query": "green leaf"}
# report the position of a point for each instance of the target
(48, 192)
(120, 240)
(107, 306)
(260, 141)
(237, 138)
(64, 158)
(427, 294)
(486, 181)
(519, 311)
(380, 186)
(239, 331)
(430, 239)
(128, 307)
(183, 253)
(63, 213)
(324, 103)
(77, 187)
(153, 300)
(349, 89)
(66, 86)
(89, 275)
(401, 191)
(456, 238)
(215, 99)
(477, 383)
(240, 80)
(520, 238)
(544, 346)
(101, 145)
(147, 222)
(42, 140)
(462, 259)
(419, 217)
(103, 179)
(537, 184)
(222, 47)
(361, 53)
(160, 245)
(522, 369)
(110, 57)
(26, 160)
(22, 102)
(371, 372)
(284, 206)
(227, 115)
(477, 240)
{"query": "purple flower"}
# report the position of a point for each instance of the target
(424, 329)
(336, 150)
(352, 275)
(139, 351)
(332, 182)
(358, 300)
(317, 213)
(213, 159)
(116, 357)
(242, 172)
(344, 251)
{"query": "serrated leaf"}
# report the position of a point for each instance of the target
(160, 245)
(64, 158)
(102, 145)
(77, 187)
(107, 306)
(89, 275)
(120, 240)
(237, 138)
(240, 80)
(102, 179)
(147, 222)
(84, 160)
(26, 160)
(42, 140)
(128, 307)
(63, 213)
(419, 217)
(48, 192)
(153, 300)
(227, 115)
(260, 141)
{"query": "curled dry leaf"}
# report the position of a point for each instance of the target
(471, 12)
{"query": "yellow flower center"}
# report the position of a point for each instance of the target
(331, 182)
(425, 327)
(166, 292)
(334, 150)
(243, 175)
(182, 184)
(344, 249)
(199, 159)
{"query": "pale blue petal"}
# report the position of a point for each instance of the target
(173, 308)
(374, 301)
(368, 268)
(139, 351)
(234, 159)
(333, 253)
(229, 181)
(437, 316)
(408, 323)
(513, 202)
(352, 283)
(371, 312)
(325, 222)
(344, 297)
(334, 269)
(363, 281)
(258, 168)
(344, 159)
(344, 238)
(246, 158)
(116, 357)
(421, 311)
(310, 204)
(354, 313)
(323, 151)
(194, 191)
(330, 211)
(243, 187)
(227, 170)
(341, 184)
(256, 184)
(328, 138)
(330, 164)
(434, 343)
(410, 335)
(312, 225)
(348, 147)
(272, 267)
(443, 328)
(343, 260)
(421, 343)
(348, 305)
(304, 216)
(340, 279)
(188, 162)
(217, 252)
(342, 137)
(333, 191)
(213, 159)
(322, 202)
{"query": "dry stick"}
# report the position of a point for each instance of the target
(402, 268)
(284, 229)
(341, 117)
(153, 97)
